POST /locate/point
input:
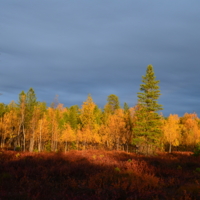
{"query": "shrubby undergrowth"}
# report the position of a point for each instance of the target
(98, 175)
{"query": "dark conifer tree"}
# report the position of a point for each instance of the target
(31, 102)
(147, 129)
(112, 104)
(126, 107)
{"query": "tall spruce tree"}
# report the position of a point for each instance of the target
(31, 102)
(147, 129)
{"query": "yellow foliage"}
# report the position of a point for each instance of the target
(190, 129)
(68, 134)
(171, 130)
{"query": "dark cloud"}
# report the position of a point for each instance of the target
(73, 48)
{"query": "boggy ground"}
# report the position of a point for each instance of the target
(98, 175)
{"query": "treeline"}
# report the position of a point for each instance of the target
(30, 125)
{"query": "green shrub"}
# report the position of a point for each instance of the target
(197, 149)
(198, 169)
(117, 169)
(48, 146)
(35, 150)
(73, 146)
(18, 148)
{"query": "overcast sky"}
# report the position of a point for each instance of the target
(73, 48)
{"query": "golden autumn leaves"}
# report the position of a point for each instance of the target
(31, 126)
(51, 129)
(183, 131)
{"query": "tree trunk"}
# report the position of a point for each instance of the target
(24, 138)
(170, 147)
(77, 144)
(65, 146)
(31, 145)
(39, 145)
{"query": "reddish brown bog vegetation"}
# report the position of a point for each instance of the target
(98, 175)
